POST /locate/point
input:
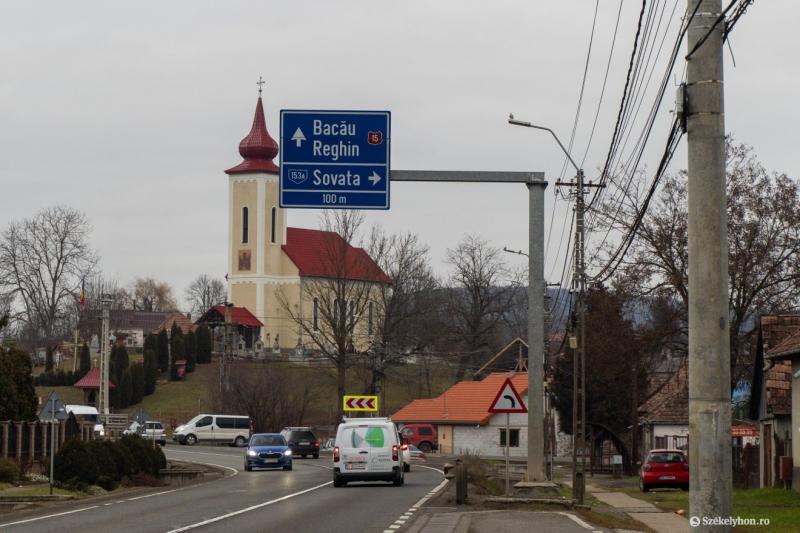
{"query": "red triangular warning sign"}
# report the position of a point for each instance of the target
(508, 400)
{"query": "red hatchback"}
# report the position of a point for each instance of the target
(664, 468)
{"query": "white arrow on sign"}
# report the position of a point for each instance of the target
(375, 178)
(298, 137)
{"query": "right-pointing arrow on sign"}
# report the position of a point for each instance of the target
(375, 178)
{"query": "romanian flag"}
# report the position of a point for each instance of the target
(82, 296)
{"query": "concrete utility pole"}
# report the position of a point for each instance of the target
(103, 403)
(709, 357)
(579, 285)
(536, 185)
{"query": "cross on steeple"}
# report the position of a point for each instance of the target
(260, 83)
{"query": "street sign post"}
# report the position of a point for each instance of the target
(508, 401)
(359, 403)
(335, 159)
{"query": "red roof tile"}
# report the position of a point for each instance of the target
(670, 405)
(319, 254)
(466, 402)
(184, 322)
(258, 149)
(239, 315)
(92, 380)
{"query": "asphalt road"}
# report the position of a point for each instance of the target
(303, 499)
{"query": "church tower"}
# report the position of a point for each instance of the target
(257, 230)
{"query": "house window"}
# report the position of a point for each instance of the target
(274, 219)
(370, 319)
(352, 314)
(514, 442)
(245, 223)
(315, 316)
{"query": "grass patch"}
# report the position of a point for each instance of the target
(781, 507)
(613, 521)
(68, 395)
(39, 490)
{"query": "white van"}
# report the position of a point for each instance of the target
(228, 429)
(87, 413)
(367, 449)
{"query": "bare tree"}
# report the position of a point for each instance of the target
(481, 290)
(42, 262)
(763, 246)
(150, 294)
(337, 326)
(408, 307)
(204, 292)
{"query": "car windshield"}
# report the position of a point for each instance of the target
(267, 440)
(666, 457)
(302, 435)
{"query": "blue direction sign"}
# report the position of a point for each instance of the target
(335, 159)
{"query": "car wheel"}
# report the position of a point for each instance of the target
(190, 440)
(398, 480)
(239, 442)
(287, 467)
(643, 487)
(406, 467)
(316, 456)
(684, 488)
(425, 447)
(248, 468)
(304, 455)
(339, 483)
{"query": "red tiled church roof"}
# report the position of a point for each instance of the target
(319, 254)
(92, 380)
(258, 149)
(466, 402)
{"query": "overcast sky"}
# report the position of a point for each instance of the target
(132, 112)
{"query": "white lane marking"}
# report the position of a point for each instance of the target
(47, 516)
(228, 455)
(248, 509)
(428, 496)
(578, 521)
(220, 466)
(150, 495)
(432, 468)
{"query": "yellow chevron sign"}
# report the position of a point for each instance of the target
(359, 403)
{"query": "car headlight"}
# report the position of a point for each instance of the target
(252, 453)
(288, 453)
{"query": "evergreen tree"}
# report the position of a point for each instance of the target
(17, 394)
(85, 360)
(163, 351)
(48, 360)
(150, 372)
(119, 363)
(137, 383)
(125, 389)
(150, 343)
(190, 342)
(178, 352)
(203, 338)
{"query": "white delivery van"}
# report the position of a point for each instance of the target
(87, 413)
(221, 429)
(367, 449)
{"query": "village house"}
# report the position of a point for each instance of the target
(785, 357)
(664, 417)
(463, 421)
(771, 394)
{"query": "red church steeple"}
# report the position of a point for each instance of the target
(258, 149)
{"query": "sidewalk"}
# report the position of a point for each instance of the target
(644, 512)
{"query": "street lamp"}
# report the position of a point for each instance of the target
(579, 356)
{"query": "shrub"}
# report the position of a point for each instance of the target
(74, 464)
(9, 471)
(107, 476)
(143, 459)
(123, 459)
